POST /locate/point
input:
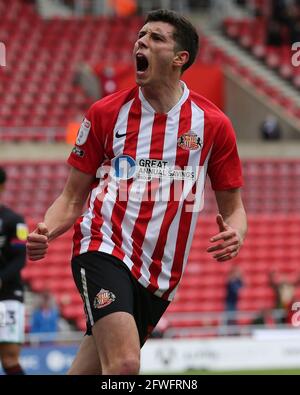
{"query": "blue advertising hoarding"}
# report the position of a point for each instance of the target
(47, 359)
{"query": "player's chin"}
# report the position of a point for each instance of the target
(140, 81)
(142, 77)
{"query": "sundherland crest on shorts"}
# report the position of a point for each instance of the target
(103, 298)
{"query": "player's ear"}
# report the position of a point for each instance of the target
(181, 58)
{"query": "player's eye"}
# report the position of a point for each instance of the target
(156, 37)
(141, 34)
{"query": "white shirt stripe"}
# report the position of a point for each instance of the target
(109, 200)
(159, 209)
(136, 193)
(88, 216)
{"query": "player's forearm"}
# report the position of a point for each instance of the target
(62, 215)
(231, 208)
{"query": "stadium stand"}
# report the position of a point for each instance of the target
(268, 38)
(214, 53)
(45, 53)
(40, 52)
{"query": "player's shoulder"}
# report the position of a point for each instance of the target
(212, 113)
(11, 216)
(114, 101)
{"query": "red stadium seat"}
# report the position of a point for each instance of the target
(44, 53)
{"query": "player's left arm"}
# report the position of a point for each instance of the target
(17, 254)
(232, 223)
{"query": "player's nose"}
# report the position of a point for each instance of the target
(142, 42)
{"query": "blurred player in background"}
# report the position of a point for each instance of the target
(45, 316)
(234, 284)
(13, 235)
(132, 243)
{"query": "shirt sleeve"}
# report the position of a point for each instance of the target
(88, 152)
(224, 167)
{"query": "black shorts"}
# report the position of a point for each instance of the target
(107, 286)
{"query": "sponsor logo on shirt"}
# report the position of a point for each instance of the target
(125, 168)
(83, 132)
(154, 168)
(120, 135)
(79, 152)
(190, 141)
(103, 299)
(22, 232)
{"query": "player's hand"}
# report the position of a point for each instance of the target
(230, 244)
(37, 242)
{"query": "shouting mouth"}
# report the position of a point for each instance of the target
(142, 63)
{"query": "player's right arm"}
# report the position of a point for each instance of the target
(61, 215)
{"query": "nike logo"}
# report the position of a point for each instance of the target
(119, 135)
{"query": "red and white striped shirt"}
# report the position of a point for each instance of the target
(150, 171)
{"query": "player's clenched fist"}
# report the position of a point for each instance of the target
(37, 242)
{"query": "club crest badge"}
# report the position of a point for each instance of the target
(190, 141)
(103, 299)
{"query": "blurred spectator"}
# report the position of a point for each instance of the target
(45, 316)
(96, 82)
(280, 10)
(123, 8)
(265, 317)
(270, 128)
(283, 26)
(274, 35)
(284, 294)
(233, 285)
(108, 83)
(220, 9)
(86, 78)
(295, 31)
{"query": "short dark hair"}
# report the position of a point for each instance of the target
(185, 35)
(2, 176)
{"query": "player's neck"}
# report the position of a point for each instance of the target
(164, 97)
